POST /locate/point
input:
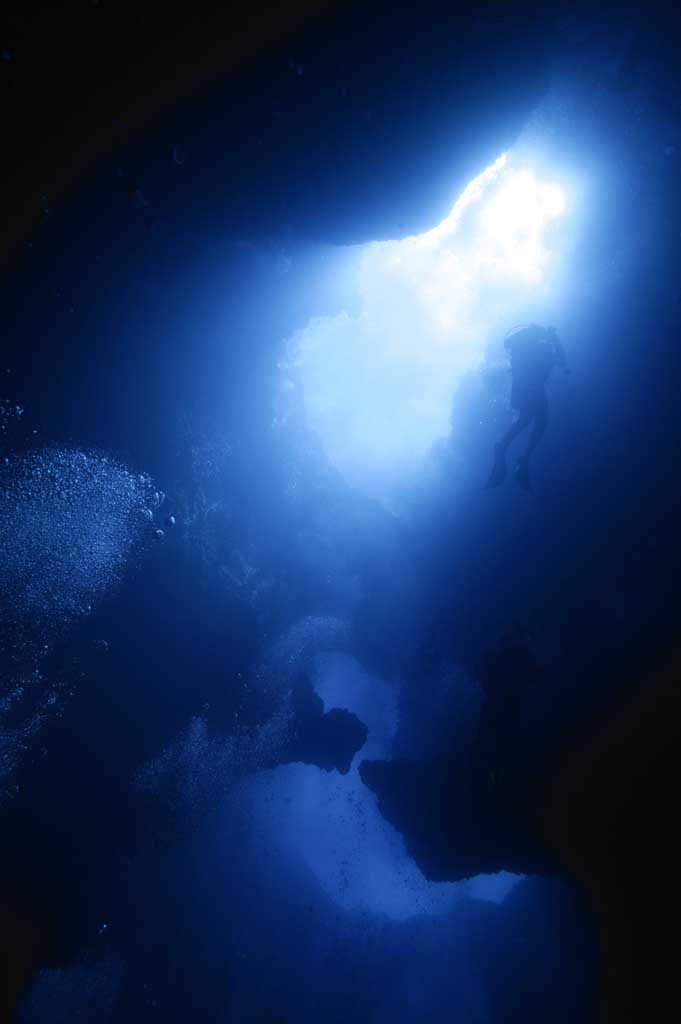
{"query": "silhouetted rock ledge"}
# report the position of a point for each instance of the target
(456, 825)
(329, 740)
(605, 815)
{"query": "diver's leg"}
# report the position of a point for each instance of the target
(541, 419)
(498, 474)
(517, 427)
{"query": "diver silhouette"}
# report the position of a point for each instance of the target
(534, 351)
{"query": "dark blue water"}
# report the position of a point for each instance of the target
(284, 702)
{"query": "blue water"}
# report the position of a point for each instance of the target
(253, 378)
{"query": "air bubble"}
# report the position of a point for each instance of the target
(66, 524)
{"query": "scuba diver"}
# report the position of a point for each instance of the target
(534, 352)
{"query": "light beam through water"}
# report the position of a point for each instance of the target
(377, 387)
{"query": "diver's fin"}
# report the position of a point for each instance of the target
(498, 474)
(522, 473)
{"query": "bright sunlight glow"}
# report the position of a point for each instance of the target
(378, 386)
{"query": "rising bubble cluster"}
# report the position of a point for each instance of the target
(87, 990)
(197, 769)
(68, 520)
(294, 652)
(27, 702)
(10, 414)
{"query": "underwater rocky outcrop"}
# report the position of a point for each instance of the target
(456, 825)
(603, 816)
